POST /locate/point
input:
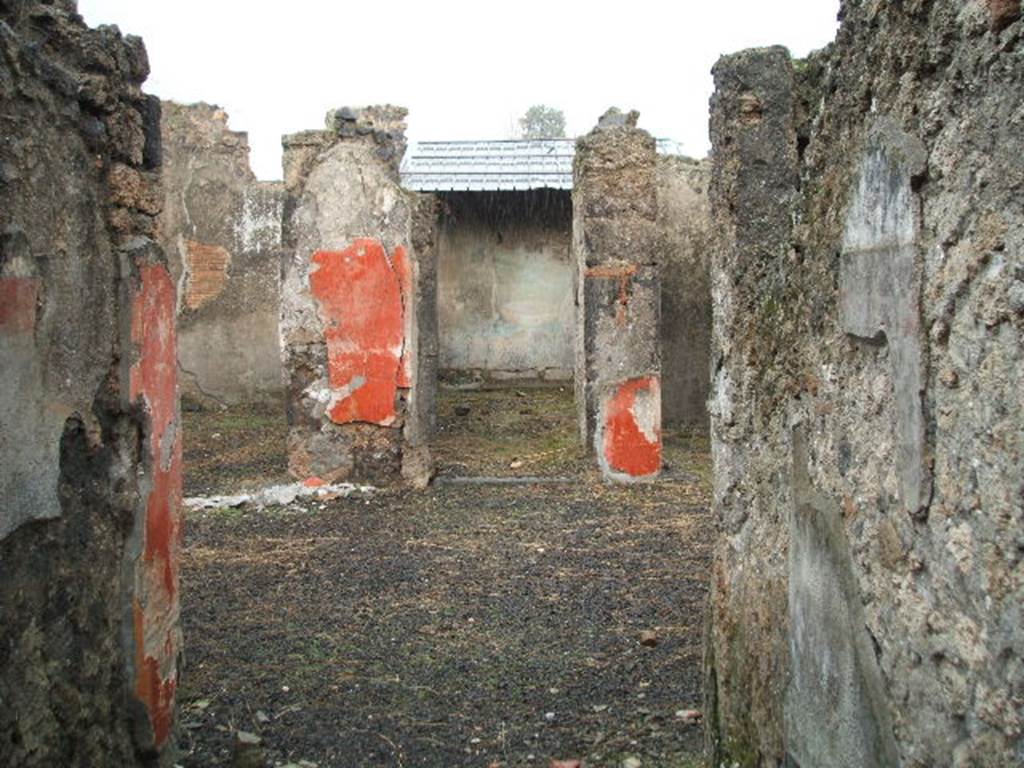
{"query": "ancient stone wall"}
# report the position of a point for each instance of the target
(221, 230)
(866, 400)
(684, 215)
(90, 448)
(616, 248)
(505, 298)
(355, 293)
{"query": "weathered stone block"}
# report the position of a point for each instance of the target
(879, 286)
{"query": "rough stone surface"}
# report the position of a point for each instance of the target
(684, 216)
(617, 245)
(221, 229)
(424, 345)
(866, 401)
(90, 449)
(353, 300)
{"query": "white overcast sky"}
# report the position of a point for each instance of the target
(465, 70)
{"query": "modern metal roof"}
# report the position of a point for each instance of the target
(485, 166)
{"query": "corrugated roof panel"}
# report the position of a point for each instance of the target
(483, 166)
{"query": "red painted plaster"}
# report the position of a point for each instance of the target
(360, 295)
(626, 448)
(151, 688)
(18, 304)
(153, 383)
(154, 378)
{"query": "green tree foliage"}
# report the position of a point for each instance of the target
(542, 122)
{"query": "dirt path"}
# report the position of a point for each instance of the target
(467, 625)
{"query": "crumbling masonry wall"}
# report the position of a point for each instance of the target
(221, 231)
(684, 215)
(90, 448)
(358, 283)
(866, 400)
(616, 248)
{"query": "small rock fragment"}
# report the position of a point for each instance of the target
(648, 638)
(632, 762)
(248, 751)
(688, 715)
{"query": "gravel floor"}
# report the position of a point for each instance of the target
(468, 625)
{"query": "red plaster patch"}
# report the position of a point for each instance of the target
(150, 686)
(626, 448)
(359, 292)
(18, 304)
(154, 382)
(155, 379)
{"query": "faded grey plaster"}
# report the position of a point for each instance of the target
(29, 441)
(835, 708)
(879, 287)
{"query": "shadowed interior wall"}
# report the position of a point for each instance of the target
(505, 284)
(684, 217)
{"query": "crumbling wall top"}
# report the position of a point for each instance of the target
(380, 125)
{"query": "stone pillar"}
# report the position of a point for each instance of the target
(616, 247)
(753, 191)
(353, 296)
(90, 439)
(221, 230)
